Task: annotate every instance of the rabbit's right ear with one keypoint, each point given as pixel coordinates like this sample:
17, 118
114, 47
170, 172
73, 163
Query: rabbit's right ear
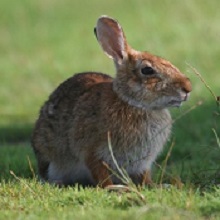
111, 37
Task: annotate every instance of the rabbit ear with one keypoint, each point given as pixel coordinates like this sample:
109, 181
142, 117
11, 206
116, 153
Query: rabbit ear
111, 37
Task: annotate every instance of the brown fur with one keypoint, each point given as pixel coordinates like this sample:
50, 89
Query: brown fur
70, 136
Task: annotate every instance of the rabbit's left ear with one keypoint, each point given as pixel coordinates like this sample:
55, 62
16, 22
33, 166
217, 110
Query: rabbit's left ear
111, 37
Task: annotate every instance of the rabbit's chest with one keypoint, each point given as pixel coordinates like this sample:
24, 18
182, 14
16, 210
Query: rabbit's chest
135, 146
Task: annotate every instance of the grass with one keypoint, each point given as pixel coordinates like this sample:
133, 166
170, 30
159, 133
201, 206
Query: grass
23, 200
44, 42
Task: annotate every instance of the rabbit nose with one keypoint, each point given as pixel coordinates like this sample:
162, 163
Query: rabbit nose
186, 85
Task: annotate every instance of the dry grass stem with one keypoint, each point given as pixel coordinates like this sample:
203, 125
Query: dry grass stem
204, 82
165, 161
31, 167
23, 182
217, 138
123, 176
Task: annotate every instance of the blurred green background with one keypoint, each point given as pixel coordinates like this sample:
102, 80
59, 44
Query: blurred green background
46, 41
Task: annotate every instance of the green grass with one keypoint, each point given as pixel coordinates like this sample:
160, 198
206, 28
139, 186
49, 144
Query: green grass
44, 42
23, 200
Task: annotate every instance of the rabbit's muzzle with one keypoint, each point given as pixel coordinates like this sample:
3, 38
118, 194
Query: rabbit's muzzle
186, 89
183, 88
186, 86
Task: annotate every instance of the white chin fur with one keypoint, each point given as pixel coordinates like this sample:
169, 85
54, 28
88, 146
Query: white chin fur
161, 103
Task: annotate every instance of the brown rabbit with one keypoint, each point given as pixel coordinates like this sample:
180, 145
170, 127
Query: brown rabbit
70, 137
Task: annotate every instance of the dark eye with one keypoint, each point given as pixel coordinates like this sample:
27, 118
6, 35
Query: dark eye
147, 71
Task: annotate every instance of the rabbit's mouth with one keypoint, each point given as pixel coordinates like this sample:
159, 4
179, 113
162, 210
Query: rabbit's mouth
178, 102
175, 103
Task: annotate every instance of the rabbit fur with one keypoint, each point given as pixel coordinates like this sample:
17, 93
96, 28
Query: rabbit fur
70, 138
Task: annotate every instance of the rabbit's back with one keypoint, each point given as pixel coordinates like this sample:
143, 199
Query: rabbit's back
67, 93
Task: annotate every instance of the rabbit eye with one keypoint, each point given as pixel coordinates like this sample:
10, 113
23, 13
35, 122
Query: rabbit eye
147, 71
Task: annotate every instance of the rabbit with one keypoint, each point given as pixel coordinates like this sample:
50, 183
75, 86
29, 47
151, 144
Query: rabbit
70, 138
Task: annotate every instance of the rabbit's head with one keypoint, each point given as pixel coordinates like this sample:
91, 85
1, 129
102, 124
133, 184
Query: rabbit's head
143, 80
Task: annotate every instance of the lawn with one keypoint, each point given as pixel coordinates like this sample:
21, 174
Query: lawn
46, 41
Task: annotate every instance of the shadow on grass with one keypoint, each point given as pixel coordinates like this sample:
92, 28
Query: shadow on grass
194, 158
15, 133
15, 150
